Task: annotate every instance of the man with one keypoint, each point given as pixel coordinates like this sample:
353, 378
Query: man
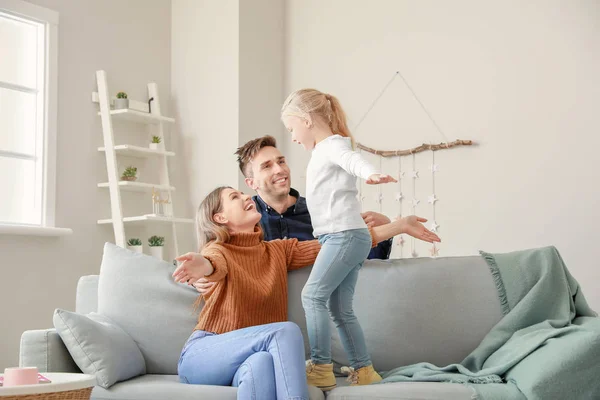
284, 212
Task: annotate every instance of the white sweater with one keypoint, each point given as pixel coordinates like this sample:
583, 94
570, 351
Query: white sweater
331, 194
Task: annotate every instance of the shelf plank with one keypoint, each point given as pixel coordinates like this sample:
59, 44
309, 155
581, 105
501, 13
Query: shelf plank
137, 151
138, 186
150, 218
138, 116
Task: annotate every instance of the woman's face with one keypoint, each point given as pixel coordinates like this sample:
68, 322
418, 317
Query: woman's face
300, 130
238, 212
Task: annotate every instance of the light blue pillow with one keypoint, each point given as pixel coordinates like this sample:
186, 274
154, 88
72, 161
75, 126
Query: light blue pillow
99, 347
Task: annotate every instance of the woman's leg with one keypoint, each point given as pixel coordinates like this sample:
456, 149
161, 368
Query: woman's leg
255, 378
349, 329
216, 359
340, 254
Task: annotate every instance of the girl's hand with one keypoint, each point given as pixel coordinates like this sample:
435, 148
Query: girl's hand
193, 267
413, 226
376, 179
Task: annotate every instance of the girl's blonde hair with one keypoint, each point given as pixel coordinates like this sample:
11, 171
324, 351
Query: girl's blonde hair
307, 103
209, 230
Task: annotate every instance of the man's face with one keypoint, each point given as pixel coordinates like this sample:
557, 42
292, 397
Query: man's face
270, 173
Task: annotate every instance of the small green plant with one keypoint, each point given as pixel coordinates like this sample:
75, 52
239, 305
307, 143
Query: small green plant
134, 242
155, 241
156, 139
130, 173
121, 95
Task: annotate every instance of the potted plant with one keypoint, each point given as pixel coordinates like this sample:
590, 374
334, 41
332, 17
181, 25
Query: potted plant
135, 245
156, 244
155, 142
130, 174
121, 102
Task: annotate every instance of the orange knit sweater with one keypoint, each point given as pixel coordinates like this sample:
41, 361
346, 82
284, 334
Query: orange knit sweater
251, 277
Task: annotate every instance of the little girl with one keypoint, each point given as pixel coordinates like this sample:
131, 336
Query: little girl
317, 121
243, 338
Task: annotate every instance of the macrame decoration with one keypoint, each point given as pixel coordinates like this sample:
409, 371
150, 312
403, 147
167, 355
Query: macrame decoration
413, 175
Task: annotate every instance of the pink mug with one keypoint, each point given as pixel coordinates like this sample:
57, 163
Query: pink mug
20, 376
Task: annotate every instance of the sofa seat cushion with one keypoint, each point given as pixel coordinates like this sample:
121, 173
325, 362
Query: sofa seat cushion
402, 391
168, 387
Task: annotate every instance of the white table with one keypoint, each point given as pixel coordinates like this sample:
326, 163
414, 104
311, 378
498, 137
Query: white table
61, 382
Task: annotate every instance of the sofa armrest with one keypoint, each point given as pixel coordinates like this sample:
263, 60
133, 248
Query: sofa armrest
45, 350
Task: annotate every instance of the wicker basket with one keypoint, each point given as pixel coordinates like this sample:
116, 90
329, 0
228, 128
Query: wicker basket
80, 394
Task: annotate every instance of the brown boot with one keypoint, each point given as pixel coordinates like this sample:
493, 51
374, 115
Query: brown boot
362, 376
320, 375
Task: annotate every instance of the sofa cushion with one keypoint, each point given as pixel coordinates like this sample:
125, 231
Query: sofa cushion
402, 391
414, 310
99, 347
139, 294
167, 387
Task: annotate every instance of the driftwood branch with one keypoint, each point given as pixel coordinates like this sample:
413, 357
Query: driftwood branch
423, 147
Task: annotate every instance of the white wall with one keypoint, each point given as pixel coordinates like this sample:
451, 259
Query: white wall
519, 79
261, 71
227, 84
131, 41
205, 91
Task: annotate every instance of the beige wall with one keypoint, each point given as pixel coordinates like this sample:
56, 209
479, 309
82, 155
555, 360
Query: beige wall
131, 41
519, 79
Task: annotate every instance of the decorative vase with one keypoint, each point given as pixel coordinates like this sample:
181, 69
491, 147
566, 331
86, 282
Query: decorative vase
136, 249
121, 104
157, 251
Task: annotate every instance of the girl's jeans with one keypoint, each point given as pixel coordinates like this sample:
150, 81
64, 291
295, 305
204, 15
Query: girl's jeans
263, 362
331, 284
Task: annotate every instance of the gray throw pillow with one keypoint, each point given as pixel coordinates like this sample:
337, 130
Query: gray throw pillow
138, 293
99, 347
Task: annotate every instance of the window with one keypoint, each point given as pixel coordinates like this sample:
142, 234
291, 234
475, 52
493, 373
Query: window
28, 113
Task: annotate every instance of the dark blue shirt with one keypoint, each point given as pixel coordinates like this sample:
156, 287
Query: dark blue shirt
295, 223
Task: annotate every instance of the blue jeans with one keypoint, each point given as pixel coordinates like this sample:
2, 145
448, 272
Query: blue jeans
331, 285
263, 362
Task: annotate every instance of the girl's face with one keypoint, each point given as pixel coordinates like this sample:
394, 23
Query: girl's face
300, 130
238, 212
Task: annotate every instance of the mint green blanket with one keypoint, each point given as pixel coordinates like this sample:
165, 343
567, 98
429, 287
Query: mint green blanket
547, 345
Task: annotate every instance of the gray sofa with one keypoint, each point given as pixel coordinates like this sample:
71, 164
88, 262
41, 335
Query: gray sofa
412, 310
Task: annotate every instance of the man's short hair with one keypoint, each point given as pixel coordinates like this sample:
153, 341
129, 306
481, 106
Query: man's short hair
247, 152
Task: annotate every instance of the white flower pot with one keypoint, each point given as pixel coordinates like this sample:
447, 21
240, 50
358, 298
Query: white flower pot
136, 249
154, 146
121, 104
157, 251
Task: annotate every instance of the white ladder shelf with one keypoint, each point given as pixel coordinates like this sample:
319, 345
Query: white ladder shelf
138, 112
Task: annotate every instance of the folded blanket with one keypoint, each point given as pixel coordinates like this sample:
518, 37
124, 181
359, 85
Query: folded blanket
547, 345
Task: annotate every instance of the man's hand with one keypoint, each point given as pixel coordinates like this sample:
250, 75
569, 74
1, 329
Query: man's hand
193, 267
203, 286
373, 219
413, 226
376, 179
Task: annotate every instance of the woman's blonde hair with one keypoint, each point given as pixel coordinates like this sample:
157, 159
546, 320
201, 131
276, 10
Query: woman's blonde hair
209, 230
307, 103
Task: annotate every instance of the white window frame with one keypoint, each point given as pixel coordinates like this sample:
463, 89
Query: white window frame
49, 18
